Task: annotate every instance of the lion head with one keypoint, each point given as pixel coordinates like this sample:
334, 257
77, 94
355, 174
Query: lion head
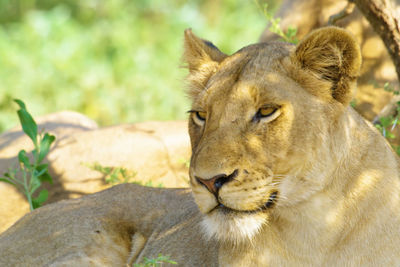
266, 125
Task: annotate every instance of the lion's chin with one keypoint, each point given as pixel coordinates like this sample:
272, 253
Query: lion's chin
234, 227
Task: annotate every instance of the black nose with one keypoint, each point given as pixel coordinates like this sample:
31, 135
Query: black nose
216, 182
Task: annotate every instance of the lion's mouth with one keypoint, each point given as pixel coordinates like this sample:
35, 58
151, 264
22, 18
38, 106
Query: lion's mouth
269, 204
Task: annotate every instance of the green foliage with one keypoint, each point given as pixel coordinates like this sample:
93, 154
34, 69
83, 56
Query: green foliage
29, 176
118, 175
288, 36
390, 88
113, 175
149, 184
387, 124
353, 103
155, 262
115, 61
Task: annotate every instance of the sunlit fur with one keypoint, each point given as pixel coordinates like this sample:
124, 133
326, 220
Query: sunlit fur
335, 178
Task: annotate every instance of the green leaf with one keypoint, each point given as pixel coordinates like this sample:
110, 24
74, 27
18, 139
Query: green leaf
390, 135
23, 158
28, 124
37, 202
7, 181
291, 31
45, 177
35, 184
20, 103
45, 144
40, 169
385, 121
35, 155
42, 173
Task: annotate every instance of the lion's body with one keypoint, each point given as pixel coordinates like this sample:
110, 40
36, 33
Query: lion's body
283, 172
121, 225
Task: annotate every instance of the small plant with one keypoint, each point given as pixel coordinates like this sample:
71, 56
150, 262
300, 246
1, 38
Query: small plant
387, 124
113, 175
390, 88
148, 183
155, 262
29, 176
353, 103
118, 175
288, 36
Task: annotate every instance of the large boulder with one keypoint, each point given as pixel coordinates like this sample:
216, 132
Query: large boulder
153, 153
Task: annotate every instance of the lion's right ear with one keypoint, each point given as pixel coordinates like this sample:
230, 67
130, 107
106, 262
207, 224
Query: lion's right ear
201, 57
333, 57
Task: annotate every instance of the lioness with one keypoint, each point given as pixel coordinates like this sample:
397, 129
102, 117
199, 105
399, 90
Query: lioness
283, 171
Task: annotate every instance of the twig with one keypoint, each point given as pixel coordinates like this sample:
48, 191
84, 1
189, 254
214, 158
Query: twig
342, 14
386, 23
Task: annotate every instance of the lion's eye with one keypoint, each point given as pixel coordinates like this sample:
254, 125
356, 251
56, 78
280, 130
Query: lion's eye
201, 115
266, 114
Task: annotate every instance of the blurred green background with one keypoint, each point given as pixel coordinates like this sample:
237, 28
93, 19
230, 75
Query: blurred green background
116, 61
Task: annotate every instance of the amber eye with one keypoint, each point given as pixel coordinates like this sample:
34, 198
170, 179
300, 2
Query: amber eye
265, 112
201, 115
198, 117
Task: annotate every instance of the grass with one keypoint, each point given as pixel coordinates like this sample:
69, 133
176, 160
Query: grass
115, 61
155, 262
118, 175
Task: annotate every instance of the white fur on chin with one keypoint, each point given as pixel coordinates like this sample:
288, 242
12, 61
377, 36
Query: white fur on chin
235, 228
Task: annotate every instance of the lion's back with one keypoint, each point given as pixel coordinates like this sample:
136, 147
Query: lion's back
98, 229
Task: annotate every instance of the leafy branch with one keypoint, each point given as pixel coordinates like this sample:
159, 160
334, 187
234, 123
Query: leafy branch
288, 36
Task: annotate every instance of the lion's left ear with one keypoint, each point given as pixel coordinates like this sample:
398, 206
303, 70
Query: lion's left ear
333, 56
202, 59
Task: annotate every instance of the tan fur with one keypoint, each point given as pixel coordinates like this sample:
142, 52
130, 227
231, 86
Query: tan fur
335, 178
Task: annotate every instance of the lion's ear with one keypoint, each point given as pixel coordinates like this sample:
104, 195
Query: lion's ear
201, 58
333, 56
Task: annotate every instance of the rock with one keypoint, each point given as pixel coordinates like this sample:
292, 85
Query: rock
156, 152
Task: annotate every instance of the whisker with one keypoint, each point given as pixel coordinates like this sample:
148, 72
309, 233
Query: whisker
280, 175
283, 197
274, 183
